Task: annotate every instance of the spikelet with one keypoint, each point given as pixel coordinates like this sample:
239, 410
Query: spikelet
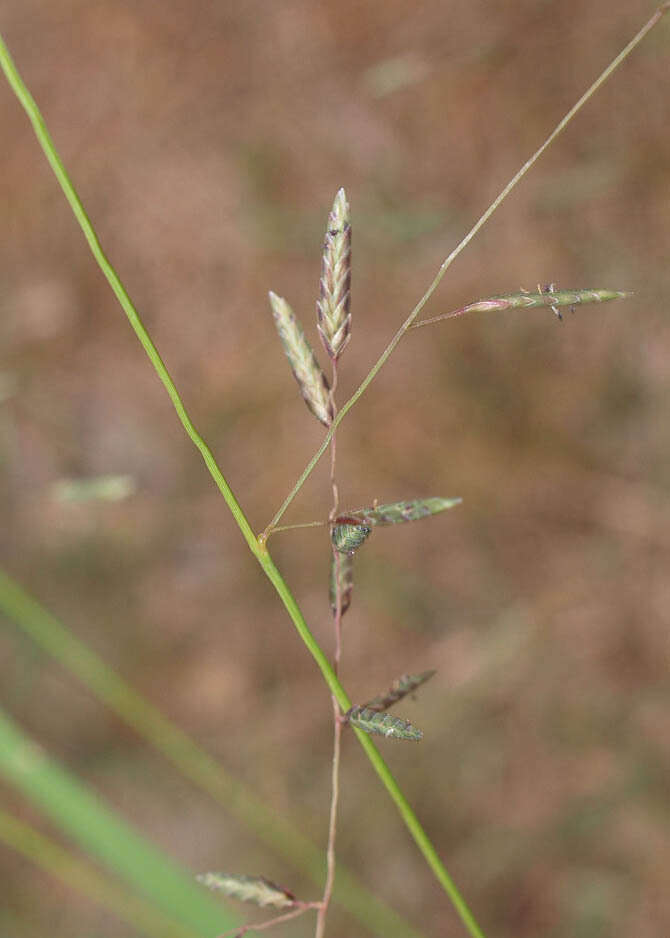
332, 308
546, 296
382, 724
306, 369
401, 687
256, 889
399, 512
349, 533
342, 576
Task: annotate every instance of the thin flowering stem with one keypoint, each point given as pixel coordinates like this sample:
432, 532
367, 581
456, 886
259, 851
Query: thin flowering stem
331, 517
294, 527
332, 823
383, 358
301, 908
333, 448
337, 723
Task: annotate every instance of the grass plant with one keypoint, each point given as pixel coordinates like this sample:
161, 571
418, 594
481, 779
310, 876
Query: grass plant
67, 802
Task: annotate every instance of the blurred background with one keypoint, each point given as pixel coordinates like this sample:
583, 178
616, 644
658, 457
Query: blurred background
207, 141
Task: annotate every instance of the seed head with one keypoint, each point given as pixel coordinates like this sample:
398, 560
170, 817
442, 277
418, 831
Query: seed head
332, 308
306, 369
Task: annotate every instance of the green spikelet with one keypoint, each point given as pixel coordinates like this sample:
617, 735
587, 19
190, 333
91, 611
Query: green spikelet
306, 369
349, 533
399, 512
256, 889
382, 724
342, 573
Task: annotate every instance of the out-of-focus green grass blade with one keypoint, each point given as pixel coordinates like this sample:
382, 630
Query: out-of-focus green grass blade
63, 865
83, 816
47, 632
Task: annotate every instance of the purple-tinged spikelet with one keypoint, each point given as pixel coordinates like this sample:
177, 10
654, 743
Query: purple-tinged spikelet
306, 369
404, 685
549, 296
341, 581
333, 314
